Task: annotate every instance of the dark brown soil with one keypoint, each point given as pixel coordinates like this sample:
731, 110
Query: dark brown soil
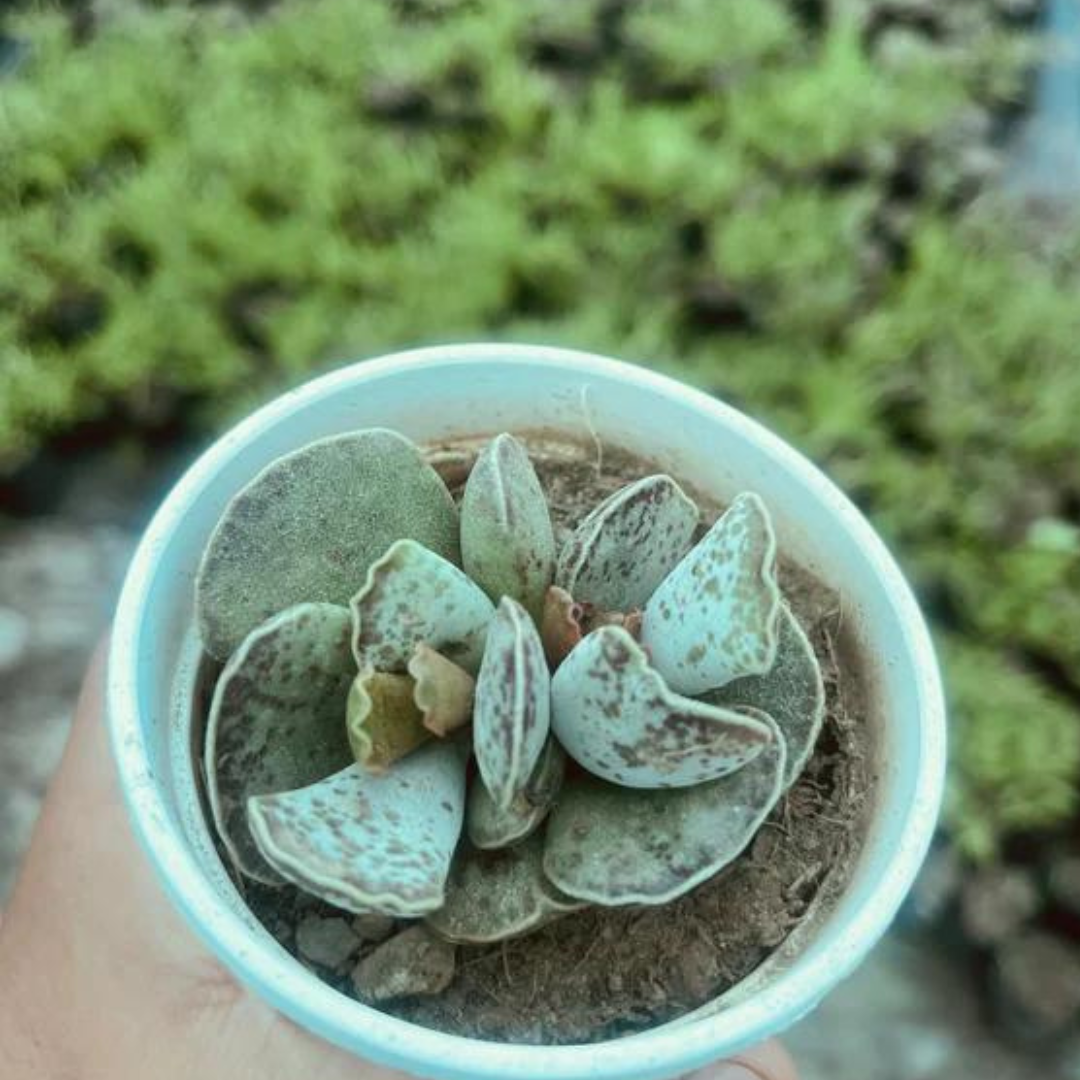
605, 972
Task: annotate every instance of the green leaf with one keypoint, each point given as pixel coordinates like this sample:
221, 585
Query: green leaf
276, 719
615, 716
311, 524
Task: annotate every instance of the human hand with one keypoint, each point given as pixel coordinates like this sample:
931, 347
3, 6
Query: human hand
101, 980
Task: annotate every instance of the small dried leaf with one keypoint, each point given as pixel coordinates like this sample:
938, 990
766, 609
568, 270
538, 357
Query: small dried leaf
413, 596
489, 827
507, 542
414, 963
622, 551
560, 625
382, 719
612, 845
443, 693
615, 716
370, 842
275, 719
495, 895
512, 712
309, 526
791, 692
714, 618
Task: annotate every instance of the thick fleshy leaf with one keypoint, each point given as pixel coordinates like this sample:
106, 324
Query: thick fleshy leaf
507, 542
382, 718
612, 845
494, 895
276, 719
489, 827
714, 618
370, 842
615, 716
512, 712
622, 551
791, 692
443, 691
413, 596
309, 526
560, 625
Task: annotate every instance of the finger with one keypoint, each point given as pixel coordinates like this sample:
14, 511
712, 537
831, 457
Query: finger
769, 1061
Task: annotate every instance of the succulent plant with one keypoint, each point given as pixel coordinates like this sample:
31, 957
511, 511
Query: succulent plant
454, 721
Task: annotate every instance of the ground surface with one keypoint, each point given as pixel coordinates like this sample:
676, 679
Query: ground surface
907, 1015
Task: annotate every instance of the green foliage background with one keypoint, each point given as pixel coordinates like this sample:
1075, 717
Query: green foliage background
199, 207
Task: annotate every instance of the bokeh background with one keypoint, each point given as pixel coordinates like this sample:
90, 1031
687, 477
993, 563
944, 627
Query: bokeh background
854, 219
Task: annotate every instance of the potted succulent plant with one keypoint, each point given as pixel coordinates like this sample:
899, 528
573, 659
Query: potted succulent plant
419, 703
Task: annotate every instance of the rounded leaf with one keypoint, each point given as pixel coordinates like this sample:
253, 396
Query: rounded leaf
507, 542
512, 711
370, 842
714, 617
625, 547
382, 719
309, 526
443, 691
613, 845
792, 692
495, 895
275, 720
489, 827
616, 717
413, 596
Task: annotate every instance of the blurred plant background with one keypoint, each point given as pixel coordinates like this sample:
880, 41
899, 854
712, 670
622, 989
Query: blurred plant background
814, 209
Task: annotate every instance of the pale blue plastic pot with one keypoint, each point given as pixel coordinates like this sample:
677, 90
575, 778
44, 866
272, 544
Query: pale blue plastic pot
479, 389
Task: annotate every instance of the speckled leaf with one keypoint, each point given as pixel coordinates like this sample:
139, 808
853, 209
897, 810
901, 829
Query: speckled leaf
276, 719
791, 692
489, 827
560, 625
615, 716
613, 845
411, 596
382, 718
507, 542
370, 842
622, 551
714, 618
443, 691
310, 525
512, 711
494, 895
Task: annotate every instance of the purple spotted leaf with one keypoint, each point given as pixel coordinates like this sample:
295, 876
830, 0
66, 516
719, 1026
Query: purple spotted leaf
512, 711
507, 542
276, 719
366, 842
443, 691
495, 895
413, 596
489, 827
615, 716
309, 526
622, 550
382, 719
613, 845
791, 692
715, 617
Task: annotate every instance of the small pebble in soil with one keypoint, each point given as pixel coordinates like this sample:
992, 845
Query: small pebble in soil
373, 928
1036, 987
328, 942
415, 963
997, 901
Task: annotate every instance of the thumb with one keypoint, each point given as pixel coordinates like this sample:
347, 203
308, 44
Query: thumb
770, 1061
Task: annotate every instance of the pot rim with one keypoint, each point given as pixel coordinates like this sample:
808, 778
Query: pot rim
386, 1039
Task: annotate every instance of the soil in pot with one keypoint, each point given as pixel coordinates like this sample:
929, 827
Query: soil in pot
605, 972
